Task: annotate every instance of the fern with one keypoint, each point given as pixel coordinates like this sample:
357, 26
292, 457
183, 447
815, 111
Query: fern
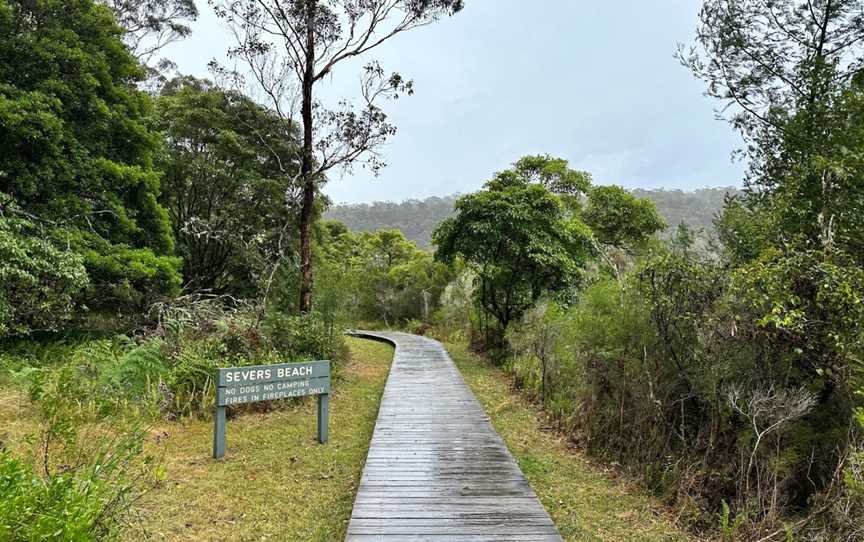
136, 372
728, 525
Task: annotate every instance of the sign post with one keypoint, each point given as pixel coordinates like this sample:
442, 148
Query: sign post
323, 415
239, 385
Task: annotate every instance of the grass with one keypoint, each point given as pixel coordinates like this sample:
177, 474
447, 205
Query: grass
586, 502
275, 482
19, 423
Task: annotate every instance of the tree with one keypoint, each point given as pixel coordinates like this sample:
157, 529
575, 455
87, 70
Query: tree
621, 222
151, 25
770, 59
401, 281
794, 69
790, 71
784, 69
376, 275
812, 190
527, 235
77, 155
420, 283
618, 218
387, 248
290, 46
231, 205
519, 238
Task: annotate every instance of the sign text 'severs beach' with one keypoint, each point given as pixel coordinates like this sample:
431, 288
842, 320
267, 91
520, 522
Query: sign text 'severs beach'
251, 375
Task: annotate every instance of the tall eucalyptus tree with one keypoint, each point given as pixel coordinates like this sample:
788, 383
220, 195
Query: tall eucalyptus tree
289, 47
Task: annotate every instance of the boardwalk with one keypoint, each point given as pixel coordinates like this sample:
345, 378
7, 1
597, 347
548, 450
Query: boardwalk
436, 469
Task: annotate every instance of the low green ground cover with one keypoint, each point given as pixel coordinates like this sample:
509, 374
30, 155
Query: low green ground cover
275, 483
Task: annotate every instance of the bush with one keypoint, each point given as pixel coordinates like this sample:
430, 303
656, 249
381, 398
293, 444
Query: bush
716, 389
100, 376
849, 508
88, 501
38, 281
451, 320
85, 471
169, 373
194, 354
126, 279
589, 354
304, 337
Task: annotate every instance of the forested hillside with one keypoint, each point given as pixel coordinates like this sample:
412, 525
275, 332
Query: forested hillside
417, 218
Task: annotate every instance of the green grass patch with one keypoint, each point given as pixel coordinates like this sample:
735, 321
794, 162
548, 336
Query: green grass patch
586, 502
276, 482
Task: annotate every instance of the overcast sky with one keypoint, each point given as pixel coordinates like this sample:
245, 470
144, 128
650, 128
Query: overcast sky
592, 82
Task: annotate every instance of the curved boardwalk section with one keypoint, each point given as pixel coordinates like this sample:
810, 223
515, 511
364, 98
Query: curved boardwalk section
436, 469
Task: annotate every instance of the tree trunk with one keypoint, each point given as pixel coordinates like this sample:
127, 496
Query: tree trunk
826, 219
306, 214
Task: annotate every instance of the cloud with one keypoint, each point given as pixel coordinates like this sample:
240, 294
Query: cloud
594, 83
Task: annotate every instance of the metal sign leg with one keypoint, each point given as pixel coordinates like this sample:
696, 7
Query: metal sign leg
219, 432
323, 413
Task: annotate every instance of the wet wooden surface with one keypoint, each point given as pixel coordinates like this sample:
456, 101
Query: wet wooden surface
436, 468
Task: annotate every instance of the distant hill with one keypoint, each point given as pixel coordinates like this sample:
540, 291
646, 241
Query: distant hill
417, 218
697, 209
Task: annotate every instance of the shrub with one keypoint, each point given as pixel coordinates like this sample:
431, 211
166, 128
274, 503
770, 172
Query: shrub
124, 278
851, 509
304, 337
730, 394
854, 474
87, 502
38, 281
86, 469
189, 386
452, 318
171, 372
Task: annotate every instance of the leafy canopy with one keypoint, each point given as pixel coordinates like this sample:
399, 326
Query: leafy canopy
518, 236
228, 168
618, 218
381, 274
77, 154
526, 234
38, 281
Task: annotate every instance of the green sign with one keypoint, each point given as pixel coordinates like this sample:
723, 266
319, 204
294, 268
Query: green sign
240, 385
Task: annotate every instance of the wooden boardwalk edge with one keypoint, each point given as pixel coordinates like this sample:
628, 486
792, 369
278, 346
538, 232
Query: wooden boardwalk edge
436, 468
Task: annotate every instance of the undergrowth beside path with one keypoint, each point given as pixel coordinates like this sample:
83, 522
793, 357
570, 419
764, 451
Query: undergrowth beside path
586, 503
276, 482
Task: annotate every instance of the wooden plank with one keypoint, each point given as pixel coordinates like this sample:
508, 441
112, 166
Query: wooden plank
453, 538
436, 469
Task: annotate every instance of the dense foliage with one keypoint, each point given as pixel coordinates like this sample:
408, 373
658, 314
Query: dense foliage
111, 200
39, 282
148, 239
526, 236
78, 156
378, 276
711, 387
731, 381
85, 504
228, 169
